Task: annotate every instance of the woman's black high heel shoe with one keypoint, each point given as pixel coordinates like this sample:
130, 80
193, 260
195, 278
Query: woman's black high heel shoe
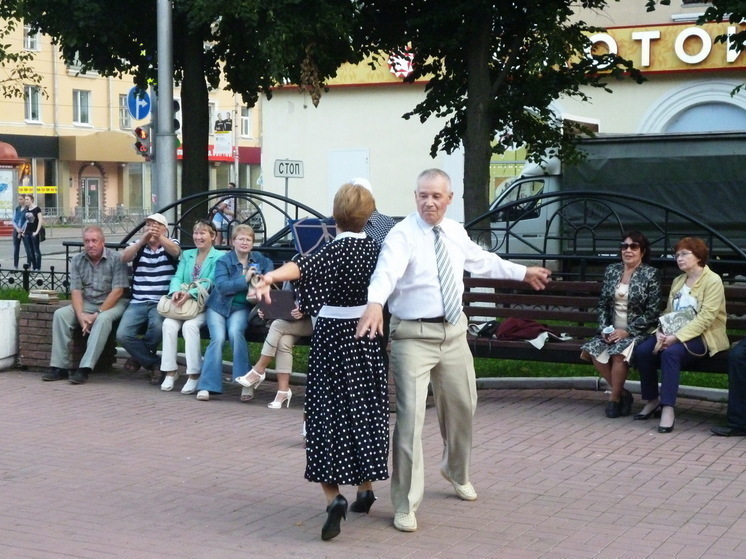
656, 412
363, 502
337, 510
667, 429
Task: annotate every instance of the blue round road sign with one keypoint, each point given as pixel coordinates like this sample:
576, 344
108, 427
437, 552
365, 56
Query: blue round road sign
138, 103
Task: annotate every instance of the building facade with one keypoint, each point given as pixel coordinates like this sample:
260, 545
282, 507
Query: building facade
75, 137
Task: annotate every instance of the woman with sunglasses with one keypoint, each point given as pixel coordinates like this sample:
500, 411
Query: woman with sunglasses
700, 288
628, 309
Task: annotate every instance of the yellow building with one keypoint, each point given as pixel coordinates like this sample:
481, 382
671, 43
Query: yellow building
76, 138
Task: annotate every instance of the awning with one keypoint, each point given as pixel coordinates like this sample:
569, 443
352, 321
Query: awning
107, 146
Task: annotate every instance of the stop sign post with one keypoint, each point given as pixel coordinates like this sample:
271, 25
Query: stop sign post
288, 169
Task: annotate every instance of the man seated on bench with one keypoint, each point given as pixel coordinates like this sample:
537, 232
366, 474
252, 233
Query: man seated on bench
98, 279
154, 260
736, 393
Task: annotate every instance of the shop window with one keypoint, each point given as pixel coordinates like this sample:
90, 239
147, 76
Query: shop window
81, 106
246, 122
31, 94
30, 38
125, 120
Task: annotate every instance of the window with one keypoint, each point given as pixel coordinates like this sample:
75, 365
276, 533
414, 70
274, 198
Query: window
81, 106
125, 121
30, 38
31, 95
246, 122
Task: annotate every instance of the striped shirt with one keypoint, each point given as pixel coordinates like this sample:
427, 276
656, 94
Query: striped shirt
152, 271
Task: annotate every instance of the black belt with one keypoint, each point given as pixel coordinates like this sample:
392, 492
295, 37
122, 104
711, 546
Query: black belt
434, 319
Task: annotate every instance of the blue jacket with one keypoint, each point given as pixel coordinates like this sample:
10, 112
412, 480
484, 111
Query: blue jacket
19, 217
186, 265
230, 279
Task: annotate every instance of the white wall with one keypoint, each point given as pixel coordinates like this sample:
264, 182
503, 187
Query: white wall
358, 119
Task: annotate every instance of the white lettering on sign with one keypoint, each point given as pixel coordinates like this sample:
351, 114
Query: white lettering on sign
692, 45
285, 168
645, 37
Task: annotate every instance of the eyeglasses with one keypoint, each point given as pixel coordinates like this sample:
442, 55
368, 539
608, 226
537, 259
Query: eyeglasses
683, 253
633, 246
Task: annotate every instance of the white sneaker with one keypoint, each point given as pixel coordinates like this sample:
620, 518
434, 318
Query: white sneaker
465, 492
168, 383
405, 521
203, 395
190, 387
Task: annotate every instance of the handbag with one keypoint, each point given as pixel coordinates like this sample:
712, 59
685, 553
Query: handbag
672, 322
42, 234
191, 307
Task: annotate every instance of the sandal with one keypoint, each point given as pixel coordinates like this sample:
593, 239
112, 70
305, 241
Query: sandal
155, 377
131, 366
247, 394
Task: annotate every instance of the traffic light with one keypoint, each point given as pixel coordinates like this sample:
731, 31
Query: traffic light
177, 108
143, 144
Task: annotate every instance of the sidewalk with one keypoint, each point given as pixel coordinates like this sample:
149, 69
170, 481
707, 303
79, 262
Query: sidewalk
117, 468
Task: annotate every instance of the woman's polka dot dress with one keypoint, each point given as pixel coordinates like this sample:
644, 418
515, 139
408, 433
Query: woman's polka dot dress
347, 407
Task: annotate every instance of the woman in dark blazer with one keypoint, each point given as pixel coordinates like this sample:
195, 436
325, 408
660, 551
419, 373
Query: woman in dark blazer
628, 311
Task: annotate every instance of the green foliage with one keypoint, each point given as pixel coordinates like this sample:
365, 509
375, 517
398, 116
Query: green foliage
15, 67
497, 68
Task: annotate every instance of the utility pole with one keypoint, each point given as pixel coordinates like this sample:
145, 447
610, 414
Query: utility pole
165, 143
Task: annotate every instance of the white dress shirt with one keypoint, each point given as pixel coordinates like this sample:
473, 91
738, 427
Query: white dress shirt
407, 275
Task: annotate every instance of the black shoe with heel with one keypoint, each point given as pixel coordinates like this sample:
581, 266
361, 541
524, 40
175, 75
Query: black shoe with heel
363, 502
655, 412
668, 429
337, 510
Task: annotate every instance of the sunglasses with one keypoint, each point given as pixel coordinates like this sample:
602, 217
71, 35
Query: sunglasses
633, 246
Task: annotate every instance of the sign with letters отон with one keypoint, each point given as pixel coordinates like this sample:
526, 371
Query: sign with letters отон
285, 168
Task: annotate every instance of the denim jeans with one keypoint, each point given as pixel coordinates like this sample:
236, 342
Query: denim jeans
670, 361
142, 318
17, 240
234, 329
34, 250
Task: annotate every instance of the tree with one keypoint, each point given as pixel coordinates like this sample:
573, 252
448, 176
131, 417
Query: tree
496, 68
15, 66
253, 44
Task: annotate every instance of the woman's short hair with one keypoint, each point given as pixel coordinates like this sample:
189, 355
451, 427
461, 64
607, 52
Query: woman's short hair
245, 229
207, 225
697, 246
352, 207
642, 240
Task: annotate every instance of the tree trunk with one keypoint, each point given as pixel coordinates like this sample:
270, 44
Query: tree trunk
195, 112
478, 134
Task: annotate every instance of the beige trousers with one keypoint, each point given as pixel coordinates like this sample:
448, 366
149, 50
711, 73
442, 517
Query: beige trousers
421, 354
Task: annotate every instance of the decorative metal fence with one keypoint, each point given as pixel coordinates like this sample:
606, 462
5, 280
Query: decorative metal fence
28, 279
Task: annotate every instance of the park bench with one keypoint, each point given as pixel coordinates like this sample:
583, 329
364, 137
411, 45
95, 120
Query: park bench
566, 307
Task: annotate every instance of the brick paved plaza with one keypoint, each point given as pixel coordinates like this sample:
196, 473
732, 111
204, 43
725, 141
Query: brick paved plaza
117, 468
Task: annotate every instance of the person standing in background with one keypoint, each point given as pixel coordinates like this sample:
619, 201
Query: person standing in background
34, 222
19, 224
223, 214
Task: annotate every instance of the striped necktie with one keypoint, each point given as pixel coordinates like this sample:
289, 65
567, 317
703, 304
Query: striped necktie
451, 302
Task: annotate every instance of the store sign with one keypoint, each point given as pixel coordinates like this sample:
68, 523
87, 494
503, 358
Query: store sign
673, 48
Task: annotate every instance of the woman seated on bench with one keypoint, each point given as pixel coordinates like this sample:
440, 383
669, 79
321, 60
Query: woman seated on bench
700, 288
628, 309
278, 345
